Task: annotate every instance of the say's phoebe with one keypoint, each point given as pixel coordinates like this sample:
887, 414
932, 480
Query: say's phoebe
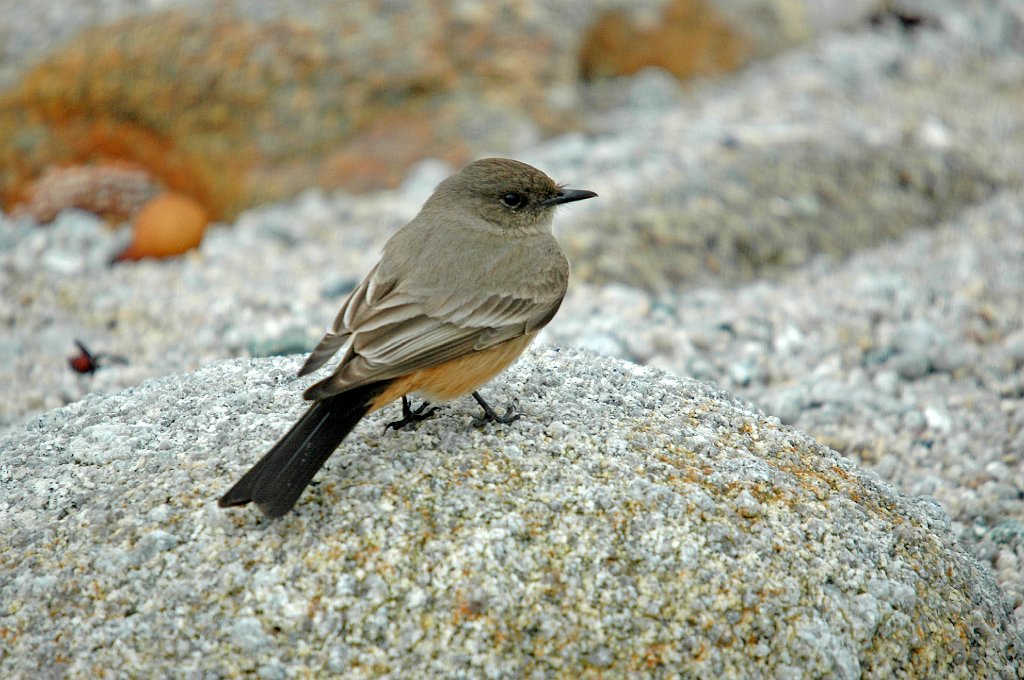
458, 294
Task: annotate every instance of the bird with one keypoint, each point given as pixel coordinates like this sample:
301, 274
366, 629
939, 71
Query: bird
458, 294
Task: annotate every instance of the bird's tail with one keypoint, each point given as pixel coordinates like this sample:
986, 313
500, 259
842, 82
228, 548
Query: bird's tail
278, 479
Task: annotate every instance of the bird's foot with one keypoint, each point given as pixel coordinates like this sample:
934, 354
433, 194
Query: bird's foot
411, 417
491, 416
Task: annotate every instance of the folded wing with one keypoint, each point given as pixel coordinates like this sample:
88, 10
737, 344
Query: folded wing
392, 332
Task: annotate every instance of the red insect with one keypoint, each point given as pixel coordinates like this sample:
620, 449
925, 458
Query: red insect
87, 362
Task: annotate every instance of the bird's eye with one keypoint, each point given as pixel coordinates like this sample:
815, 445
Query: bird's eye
514, 200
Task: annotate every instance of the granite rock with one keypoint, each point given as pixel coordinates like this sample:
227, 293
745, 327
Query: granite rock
633, 521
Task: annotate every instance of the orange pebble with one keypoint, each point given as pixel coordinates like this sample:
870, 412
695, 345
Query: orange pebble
168, 225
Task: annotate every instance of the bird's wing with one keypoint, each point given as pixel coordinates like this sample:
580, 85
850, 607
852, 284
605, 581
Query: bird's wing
366, 296
394, 332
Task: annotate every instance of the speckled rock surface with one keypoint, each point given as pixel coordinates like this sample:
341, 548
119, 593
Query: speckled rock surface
632, 521
907, 358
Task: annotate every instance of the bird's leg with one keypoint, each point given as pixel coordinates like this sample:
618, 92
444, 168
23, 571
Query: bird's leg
409, 416
511, 414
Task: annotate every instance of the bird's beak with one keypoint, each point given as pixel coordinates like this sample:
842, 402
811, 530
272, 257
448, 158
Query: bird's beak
568, 196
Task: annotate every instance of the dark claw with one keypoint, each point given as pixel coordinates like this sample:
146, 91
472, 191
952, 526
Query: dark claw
491, 416
410, 417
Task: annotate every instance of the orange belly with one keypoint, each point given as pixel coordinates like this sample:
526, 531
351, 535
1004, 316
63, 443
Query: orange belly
456, 377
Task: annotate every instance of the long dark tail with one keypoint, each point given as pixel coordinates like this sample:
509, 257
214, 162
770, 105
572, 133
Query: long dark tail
278, 479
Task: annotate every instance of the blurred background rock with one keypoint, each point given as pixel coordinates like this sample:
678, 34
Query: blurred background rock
239, 103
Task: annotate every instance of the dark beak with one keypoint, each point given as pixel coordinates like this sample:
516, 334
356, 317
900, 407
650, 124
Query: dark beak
568, 196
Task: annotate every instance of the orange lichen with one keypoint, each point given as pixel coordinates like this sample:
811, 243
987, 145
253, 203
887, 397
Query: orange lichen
690, 39
387, 146
235, 112
169, 225
104, 136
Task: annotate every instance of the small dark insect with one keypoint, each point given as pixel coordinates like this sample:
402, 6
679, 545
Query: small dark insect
87, 362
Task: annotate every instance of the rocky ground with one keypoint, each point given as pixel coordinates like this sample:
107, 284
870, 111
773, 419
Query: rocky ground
632, 522
836, 234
